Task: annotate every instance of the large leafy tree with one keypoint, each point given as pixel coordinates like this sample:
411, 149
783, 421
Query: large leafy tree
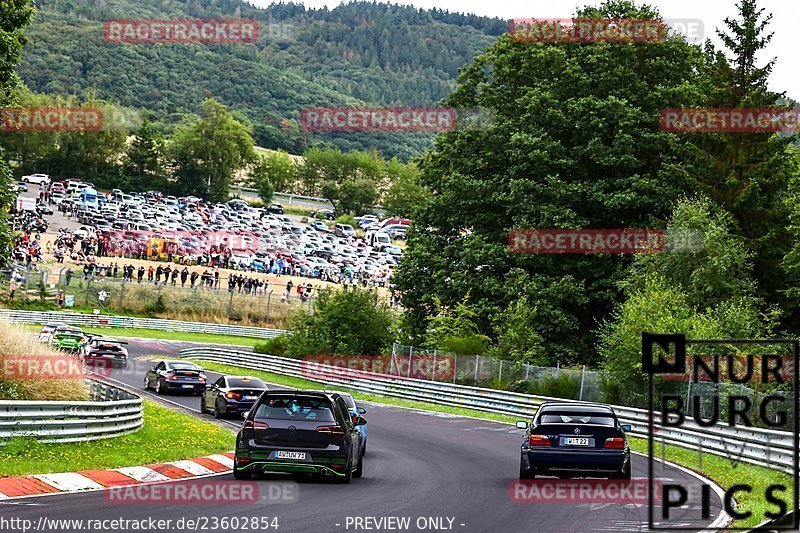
143, 164
575, 143
207, 151
14, 15
746, 173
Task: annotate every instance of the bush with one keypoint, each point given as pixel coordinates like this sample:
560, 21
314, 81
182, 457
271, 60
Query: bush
350, 321
274, 346
347, 218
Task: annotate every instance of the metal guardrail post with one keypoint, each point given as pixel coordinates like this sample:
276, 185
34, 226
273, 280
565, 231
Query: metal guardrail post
475, 377
583, 378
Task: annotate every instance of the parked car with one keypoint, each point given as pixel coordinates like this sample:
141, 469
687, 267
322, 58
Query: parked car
231, 395
568, 439
36, 178
19, 187
276, 209
344, 230
181, 376
300, 432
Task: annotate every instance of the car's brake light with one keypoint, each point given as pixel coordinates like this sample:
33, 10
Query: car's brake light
615, 443
233, 395
331, 430
252, 424
539, 440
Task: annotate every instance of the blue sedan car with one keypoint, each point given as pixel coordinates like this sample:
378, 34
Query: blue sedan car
575, 440
355, 412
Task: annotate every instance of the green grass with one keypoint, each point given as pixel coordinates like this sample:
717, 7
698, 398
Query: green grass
165, 436
160, 334
726, 472
719, 469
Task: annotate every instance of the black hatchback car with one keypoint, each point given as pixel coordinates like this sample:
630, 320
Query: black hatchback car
180, 376
575, 440
300, 432
230, 395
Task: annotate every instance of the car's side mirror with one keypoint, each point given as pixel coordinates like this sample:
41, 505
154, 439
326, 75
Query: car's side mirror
209, 386
626, 427
521, 424
360, 421
362, 411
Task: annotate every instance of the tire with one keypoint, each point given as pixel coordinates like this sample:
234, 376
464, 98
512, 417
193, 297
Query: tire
217, 412
525, 473
359, 471
159, 389
146, 383
203, 407
25, 180
238, 474
348, 474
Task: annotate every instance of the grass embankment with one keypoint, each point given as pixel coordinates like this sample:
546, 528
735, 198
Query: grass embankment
165, 436
203, 338
30, 370
726, 472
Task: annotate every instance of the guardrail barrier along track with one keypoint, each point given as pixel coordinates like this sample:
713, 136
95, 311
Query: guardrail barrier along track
111, 412
105, 321
763, 447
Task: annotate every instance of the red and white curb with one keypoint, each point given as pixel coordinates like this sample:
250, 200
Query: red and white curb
41, 484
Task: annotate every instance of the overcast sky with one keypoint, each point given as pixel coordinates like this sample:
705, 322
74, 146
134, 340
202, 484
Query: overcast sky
711, 13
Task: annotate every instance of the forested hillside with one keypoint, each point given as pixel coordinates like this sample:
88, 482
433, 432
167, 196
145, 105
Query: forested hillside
356, 54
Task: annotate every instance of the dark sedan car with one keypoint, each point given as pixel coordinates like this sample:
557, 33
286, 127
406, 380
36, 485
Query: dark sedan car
575, 440
275, 209
176, 376
300, 432
231, 395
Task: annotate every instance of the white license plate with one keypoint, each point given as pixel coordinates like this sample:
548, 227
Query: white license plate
250, 398
290, 455
576, 441
187, 386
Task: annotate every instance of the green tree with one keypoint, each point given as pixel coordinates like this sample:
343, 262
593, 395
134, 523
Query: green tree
265, 190
575, 143
406, 192
709, 263
454, 330
15, 15
746, 173
206, 152
517, 338
278, 168
351, 321
660, 306
143, 165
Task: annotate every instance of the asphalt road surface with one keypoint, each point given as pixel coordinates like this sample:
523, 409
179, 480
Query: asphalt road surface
441, 472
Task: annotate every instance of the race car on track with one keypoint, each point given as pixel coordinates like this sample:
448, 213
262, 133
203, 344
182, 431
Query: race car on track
180, 376
230, 395
46, 333
575, 440
67, 338
300, 432
105, 350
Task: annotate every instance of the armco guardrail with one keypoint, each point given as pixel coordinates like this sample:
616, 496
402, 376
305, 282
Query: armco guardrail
763, 447
83, 319
111, 412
